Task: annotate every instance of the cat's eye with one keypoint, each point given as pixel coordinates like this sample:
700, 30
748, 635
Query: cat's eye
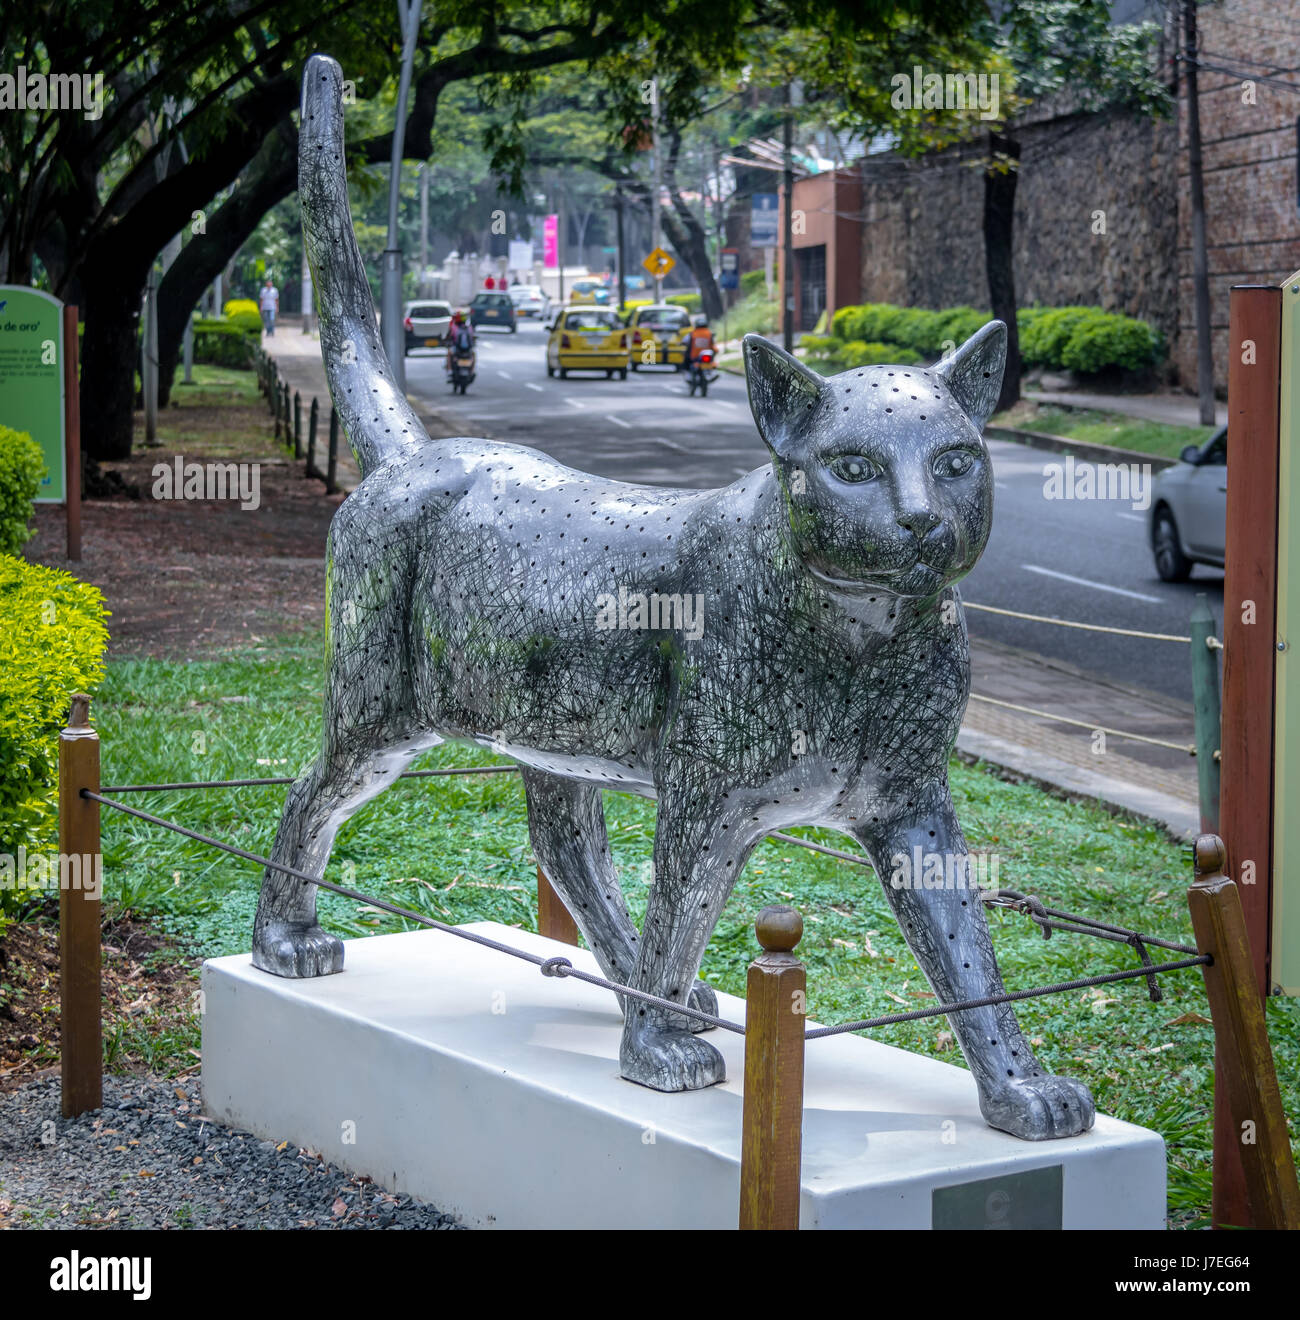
954, 463
853, 467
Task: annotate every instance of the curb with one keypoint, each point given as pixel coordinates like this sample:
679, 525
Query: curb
1085, 449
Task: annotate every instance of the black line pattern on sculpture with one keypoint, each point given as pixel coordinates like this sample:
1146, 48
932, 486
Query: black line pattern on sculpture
789, 650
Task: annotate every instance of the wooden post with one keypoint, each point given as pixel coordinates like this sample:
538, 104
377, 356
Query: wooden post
772, 1131
311, 436
1205, 703
553, 919
1249, 635
332, 463
1243, 1060
80, 996
72, 430
275, 404
297, 424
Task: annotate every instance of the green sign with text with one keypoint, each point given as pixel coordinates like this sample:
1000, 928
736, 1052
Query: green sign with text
31, 377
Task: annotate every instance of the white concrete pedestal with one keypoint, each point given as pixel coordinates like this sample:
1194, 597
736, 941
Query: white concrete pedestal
466, 1078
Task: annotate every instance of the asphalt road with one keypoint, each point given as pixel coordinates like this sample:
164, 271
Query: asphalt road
1086, 560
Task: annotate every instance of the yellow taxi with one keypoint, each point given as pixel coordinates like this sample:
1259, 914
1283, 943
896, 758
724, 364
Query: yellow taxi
587, 292
659, 334
587, 339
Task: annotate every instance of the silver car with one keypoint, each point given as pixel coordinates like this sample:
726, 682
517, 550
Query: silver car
528, 299
426, 324
1189, 509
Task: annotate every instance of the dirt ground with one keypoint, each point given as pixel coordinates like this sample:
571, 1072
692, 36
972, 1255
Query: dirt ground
195, 577
145, 980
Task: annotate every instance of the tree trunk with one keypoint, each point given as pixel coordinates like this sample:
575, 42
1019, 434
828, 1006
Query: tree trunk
687, 235
273, 177
109, 354
999, 215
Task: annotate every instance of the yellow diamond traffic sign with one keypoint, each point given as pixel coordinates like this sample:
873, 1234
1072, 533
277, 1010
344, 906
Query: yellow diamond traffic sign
659, 263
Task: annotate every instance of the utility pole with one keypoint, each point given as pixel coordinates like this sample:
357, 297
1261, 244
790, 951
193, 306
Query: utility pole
658, 167
424, 226
622, 251
390, 295
1200, 261
787, 226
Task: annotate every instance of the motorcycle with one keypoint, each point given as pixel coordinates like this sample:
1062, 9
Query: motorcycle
460, 369
701, 374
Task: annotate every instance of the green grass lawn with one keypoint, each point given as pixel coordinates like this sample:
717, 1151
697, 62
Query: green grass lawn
457, 849
1103, 428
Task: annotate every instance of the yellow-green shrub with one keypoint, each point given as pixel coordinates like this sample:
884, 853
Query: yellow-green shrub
22, 467
52, 639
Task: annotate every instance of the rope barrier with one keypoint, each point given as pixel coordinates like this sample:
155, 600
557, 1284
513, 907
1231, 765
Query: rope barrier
420, 919
289, 779
1190, 749
562, 967
1011, 997
1070, 623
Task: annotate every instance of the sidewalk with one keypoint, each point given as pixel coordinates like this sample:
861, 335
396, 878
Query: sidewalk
1157, 783
1172, 409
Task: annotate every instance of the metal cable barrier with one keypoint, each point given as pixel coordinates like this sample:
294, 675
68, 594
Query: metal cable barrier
1048, 920
1092, 726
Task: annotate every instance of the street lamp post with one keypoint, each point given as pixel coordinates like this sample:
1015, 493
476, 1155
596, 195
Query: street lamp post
390, 290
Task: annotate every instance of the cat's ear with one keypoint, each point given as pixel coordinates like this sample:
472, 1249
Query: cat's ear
974, 372
783, 393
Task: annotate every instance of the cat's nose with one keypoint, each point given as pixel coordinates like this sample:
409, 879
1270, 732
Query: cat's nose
919, 521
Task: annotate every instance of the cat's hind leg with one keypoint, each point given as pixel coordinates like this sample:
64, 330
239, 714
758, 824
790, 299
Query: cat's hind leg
566, 822
947, 930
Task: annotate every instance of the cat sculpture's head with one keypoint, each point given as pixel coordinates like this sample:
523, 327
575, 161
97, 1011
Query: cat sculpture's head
886, 477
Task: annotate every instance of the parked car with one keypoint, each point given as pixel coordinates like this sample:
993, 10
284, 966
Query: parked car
1189, 509
590, 292
587, 339
493, 309
668, 326
426, 324
529, 300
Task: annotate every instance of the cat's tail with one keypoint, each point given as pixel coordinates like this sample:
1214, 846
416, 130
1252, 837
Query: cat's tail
379, 423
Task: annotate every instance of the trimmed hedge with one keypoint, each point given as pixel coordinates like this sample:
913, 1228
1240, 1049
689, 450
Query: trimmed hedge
52, 640
22, 468
836, 355
752, 282
693, 302
1083, 339
223, 344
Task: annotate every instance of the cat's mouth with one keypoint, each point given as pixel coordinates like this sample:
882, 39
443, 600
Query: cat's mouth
918, 579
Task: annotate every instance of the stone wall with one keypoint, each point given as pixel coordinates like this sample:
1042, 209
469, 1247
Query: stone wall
923, 238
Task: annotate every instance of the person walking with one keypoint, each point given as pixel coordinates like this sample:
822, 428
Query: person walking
269, 302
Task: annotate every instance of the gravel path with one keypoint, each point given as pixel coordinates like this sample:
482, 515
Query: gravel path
150, 1159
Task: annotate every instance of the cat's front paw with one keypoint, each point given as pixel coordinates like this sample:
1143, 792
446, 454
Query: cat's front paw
1039, 1108
668, 1059
703, 999
294, 948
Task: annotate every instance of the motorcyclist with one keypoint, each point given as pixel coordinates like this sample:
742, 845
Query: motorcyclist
700, 339
460, 337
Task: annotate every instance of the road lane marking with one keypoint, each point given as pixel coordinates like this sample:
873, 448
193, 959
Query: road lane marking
505, 375
1001, 485
672, 444
533, 386
618, 421
575, 403
1084, 582
1133, 517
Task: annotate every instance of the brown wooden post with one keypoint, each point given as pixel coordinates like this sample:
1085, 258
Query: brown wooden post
553, 919
1243, 1059
1249, 636
772, 1123
297, 424
332, 462
80, 996
312, 423
72, 430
